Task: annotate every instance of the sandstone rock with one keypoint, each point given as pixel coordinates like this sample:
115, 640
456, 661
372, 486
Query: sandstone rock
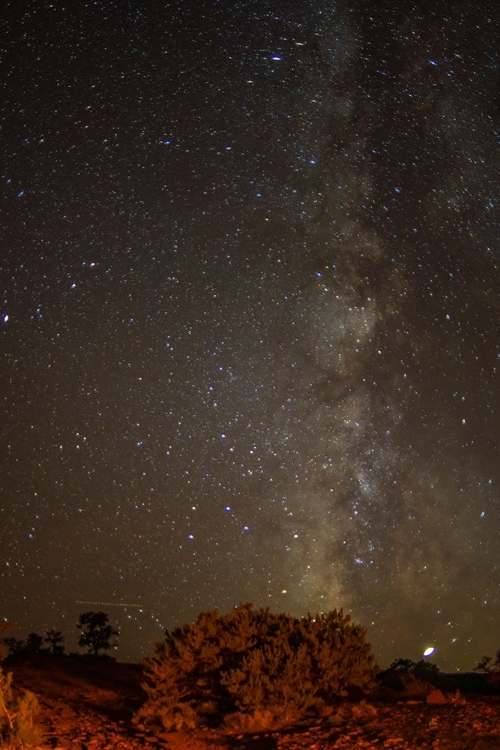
435, 696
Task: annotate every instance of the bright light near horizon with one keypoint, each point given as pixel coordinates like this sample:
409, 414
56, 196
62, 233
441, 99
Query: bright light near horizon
428, 651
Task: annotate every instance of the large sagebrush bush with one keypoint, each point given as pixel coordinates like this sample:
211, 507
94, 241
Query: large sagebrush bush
251, 664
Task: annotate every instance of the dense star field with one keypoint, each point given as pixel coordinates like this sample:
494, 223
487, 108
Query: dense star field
250, 316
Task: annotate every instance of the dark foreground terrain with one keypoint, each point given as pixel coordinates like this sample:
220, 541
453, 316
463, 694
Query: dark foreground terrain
87, 705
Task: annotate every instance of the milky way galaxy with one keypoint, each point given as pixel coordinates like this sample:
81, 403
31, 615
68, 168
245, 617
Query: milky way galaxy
250, 317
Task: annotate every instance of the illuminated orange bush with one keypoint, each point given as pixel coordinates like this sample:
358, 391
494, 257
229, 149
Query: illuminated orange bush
252, 661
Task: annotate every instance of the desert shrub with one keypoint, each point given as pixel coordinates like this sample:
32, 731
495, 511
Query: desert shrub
411, 678
456, 697
423, 669
255, 665
413, 686
260, 720
426, 671
180, 717
18, 716
349, 714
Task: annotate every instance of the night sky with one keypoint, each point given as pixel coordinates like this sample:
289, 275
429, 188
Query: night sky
250, 316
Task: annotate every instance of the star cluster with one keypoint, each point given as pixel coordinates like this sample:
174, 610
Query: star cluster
250, 316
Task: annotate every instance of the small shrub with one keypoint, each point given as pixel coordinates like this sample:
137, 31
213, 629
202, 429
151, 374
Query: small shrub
412, 679
18, 715
413, 686
456, 697
260, 720
253, 668
351, 713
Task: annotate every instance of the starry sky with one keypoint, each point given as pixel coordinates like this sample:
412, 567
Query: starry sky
250, 316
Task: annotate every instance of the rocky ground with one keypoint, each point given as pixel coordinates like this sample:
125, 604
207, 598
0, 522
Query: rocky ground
87, 706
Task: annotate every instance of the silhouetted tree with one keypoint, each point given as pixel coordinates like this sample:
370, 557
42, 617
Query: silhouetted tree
409, 676
4, 628
34, 643
488, 664
14, 646
402, 665
96, 632
55, 639
425, 670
